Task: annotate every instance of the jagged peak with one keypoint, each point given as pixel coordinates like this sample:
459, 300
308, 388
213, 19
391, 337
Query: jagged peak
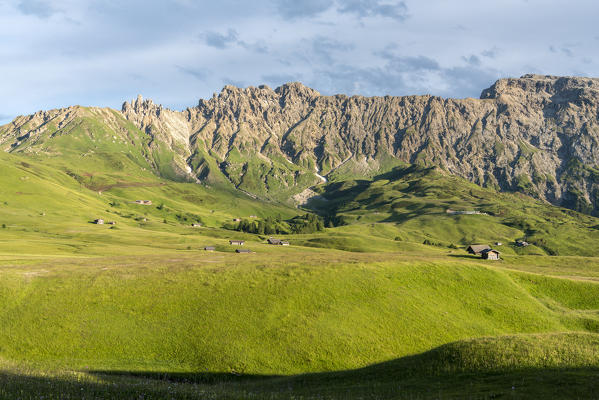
139, 104
567, 88
283, 90
296, 88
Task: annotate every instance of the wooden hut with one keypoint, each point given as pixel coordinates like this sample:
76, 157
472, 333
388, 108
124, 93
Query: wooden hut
490, 254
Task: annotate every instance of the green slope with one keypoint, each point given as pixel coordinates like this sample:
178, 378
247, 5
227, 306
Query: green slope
221, 327
160, 314
415, 205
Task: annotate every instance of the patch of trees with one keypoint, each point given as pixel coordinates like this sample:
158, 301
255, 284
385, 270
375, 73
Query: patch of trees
308, 223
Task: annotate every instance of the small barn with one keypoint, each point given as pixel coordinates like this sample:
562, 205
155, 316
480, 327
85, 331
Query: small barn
521, 243
242, 251
236, 242
196, 225
99, 221
278, 242
490, 254
209, 248
477, 249
236, 219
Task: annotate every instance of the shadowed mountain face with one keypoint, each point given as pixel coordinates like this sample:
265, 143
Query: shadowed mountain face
536, 134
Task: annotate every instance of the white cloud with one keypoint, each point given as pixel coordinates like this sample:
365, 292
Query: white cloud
64, 52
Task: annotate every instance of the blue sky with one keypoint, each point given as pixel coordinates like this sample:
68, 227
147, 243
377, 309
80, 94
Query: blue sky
101, 52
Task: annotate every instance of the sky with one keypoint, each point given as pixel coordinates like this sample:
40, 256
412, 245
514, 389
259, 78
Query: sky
57, 53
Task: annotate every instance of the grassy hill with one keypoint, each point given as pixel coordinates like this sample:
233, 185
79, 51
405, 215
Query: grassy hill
421, 205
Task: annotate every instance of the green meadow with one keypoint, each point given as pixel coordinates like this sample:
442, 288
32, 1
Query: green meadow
294, 323
383, 303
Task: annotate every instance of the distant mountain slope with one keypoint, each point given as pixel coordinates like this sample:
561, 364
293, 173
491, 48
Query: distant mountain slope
536, 134
430, 206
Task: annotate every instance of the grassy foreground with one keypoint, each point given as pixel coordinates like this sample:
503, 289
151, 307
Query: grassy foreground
553, 366
383, 304
197, 325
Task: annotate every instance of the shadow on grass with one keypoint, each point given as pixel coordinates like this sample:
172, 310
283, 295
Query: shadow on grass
375, 382
486, 368
473, 369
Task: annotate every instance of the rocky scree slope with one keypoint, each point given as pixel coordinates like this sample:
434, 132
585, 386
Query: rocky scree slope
536, 134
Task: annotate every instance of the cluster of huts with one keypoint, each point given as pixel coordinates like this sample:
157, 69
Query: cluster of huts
234, 242
239, 243
483, 250
277, 242
487, 253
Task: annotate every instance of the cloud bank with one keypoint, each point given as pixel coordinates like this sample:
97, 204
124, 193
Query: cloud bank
64, 52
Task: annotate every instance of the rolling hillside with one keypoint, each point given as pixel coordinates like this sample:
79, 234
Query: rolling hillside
428, 205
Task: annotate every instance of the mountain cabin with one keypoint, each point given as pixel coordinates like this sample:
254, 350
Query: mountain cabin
490, 254
477, 249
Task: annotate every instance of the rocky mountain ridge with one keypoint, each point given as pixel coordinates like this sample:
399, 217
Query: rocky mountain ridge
536, 134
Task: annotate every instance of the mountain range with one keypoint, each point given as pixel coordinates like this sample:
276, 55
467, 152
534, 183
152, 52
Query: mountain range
536, 134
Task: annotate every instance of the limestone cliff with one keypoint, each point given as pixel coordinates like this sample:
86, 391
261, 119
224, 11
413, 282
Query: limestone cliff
537, 134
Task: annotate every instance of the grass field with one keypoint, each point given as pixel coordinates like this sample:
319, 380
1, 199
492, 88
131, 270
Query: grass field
189, 324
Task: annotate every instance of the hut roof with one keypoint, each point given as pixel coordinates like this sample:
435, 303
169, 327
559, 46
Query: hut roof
485, 251
477, 248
